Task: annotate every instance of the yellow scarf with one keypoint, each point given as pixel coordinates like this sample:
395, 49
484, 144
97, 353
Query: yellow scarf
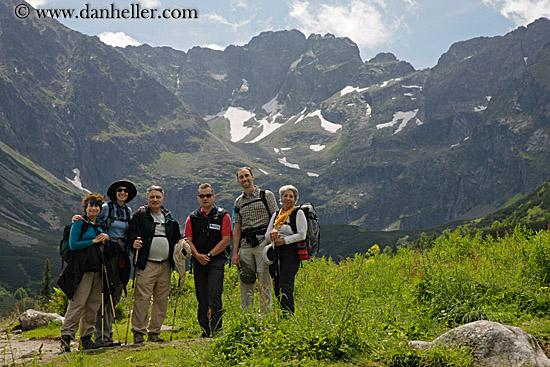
282, 217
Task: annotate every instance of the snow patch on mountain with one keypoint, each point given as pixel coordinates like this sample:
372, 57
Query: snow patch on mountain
457, 144
482, 107
284, 162
218, 77
237, 117
272, 106
404, 117
369, 110
317, 147
267, 127
412, 86
325, 124
76, 180
311, 174
384, 84
349, 89
244, 86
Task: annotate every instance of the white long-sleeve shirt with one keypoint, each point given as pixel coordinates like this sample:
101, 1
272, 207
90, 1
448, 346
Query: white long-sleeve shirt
285, 230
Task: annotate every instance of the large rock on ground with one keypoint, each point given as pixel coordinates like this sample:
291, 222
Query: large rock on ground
493, 344
32, 319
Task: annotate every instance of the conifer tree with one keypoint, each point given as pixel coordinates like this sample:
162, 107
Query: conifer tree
46, 291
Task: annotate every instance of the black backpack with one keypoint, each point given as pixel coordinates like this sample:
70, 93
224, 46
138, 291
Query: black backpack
313, 237
64, 249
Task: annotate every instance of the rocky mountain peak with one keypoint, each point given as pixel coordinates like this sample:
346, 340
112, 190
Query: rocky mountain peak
383, 57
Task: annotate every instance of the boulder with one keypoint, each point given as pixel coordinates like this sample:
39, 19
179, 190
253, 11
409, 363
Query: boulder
493, 344
32, 319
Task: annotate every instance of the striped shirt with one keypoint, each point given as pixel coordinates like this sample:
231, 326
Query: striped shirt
254, 215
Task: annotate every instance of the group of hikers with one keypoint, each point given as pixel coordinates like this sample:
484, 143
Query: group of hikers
267, 245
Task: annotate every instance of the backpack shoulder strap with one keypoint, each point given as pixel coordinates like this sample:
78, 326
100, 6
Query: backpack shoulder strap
109, 214
83, 229
264, 200
293, 219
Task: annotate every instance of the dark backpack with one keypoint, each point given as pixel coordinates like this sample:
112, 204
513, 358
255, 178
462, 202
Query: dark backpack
313, 237
64, 249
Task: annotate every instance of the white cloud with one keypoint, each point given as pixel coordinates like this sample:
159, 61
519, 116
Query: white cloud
215, 18
38, 3
521, 12
243, 4
118, 39
213, 46
150, 4
369, 23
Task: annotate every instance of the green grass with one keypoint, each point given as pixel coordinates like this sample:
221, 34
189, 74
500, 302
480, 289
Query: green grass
363, 310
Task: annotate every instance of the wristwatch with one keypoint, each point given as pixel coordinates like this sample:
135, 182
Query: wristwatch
209, 254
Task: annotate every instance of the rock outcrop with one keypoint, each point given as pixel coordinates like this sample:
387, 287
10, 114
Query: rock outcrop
32, 319
493, 344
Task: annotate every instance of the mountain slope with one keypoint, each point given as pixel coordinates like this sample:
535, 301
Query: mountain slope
377, 143
69, 101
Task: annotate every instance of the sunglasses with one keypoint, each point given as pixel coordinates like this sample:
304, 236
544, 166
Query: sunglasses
93, 203
202, 196
122, 190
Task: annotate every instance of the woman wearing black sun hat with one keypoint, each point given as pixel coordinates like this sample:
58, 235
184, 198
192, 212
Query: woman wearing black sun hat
116, 214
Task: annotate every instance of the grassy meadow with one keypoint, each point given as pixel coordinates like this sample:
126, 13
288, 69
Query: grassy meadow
361, 311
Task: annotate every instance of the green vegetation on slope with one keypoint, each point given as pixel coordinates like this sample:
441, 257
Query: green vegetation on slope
364, 310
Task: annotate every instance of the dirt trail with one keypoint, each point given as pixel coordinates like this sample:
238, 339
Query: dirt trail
17, 349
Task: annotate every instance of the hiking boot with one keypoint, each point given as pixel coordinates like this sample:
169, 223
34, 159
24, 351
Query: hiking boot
138, 338
105, 342
65, 344
155, 338
88, 344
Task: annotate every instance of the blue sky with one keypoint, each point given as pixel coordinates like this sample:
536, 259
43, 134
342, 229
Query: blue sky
417, 31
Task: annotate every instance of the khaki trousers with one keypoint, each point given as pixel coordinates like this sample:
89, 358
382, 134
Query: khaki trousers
83, 307
253, 258
154, 281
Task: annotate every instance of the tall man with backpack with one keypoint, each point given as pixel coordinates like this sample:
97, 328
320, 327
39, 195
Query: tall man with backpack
253, 210
208, 231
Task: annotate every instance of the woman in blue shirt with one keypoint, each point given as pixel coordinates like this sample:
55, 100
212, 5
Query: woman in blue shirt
84, 272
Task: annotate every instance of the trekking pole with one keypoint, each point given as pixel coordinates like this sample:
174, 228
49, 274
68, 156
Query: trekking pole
133, 297
110, 299
175, 308
112, 305
277, 270
102, 296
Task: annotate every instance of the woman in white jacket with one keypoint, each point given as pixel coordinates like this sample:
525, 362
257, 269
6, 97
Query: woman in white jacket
283, 250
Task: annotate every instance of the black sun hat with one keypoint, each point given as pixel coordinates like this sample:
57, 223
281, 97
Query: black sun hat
132, 191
